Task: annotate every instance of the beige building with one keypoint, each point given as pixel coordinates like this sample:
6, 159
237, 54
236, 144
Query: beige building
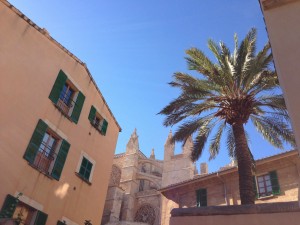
57, 133
282, 20
276, 179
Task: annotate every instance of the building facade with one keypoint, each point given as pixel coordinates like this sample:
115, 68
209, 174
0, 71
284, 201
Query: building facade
57, 134
282, 23
133, 194
276, 179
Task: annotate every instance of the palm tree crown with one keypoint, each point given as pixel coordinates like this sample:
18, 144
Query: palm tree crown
239, 87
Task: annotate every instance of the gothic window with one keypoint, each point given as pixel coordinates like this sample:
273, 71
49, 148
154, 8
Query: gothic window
145, 214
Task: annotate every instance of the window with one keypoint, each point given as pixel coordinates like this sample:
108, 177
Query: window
66, 97
21, 212
85, 168
201, 197
97, 121
46, 151
266, 185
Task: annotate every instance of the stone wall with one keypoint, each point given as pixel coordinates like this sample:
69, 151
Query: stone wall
262, 214
223, 187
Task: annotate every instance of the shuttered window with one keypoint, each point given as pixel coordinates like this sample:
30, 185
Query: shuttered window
13, 208
8, 207
66, 97
201, 197
267, 185
60, 159
46, 151
98, 121
85, 169
275, 183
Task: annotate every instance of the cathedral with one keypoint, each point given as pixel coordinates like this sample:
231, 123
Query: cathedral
144, 190
133, 193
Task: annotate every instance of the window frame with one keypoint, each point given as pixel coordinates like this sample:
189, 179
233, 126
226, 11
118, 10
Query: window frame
94, 116
274, 181
200, 202
56, 161
89, 159
73, 108
52, 154
14, 207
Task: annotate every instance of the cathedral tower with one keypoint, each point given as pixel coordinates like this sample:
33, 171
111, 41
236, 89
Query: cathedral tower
177, 168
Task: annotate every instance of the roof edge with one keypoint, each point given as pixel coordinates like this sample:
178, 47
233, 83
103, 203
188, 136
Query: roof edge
45, 33
229, 170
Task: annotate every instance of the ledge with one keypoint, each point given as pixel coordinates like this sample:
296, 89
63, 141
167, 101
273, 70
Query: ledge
278, 207
83, 179
40, 171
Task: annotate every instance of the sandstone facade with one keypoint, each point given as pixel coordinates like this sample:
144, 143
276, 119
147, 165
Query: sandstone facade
133, 194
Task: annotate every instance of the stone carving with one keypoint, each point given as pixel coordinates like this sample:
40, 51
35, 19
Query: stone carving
145, 214
115, 176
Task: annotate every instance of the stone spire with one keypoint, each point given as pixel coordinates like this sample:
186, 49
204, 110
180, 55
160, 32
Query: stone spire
133, 143
152, 156
168, 141
169, 147
188, 146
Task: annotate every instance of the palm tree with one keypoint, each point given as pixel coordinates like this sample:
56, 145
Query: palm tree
242, 85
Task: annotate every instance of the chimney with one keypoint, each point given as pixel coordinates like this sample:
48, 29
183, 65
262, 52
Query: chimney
203, 168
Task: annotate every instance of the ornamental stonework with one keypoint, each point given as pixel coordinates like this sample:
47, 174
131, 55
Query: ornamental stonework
145, 214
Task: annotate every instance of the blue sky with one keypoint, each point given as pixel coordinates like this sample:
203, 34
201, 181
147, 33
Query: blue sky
132, 49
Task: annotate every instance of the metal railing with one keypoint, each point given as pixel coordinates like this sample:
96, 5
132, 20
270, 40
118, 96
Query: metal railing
44, 158
65, 103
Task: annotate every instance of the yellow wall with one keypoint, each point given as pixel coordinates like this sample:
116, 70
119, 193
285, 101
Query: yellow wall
29, 64
282, 20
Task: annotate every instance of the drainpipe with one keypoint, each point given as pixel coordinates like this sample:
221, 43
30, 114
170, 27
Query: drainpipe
224, 186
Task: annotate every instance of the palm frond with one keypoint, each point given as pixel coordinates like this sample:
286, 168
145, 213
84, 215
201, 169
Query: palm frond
186, 129
245, 51
201, 140
214, 147
281, 128
267, 132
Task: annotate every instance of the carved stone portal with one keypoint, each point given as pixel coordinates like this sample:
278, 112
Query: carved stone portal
145, 214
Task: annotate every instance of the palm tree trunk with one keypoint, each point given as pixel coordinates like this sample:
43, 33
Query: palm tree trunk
247, 194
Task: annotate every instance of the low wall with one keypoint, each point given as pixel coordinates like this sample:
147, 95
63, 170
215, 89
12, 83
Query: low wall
261, 214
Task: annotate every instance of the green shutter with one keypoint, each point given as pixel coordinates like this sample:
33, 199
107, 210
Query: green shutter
60, 160
41, 218
77, 107
58, 86
275, 183
104, 127
35, 141
92, 114
255, 187
8, 207
201, 197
